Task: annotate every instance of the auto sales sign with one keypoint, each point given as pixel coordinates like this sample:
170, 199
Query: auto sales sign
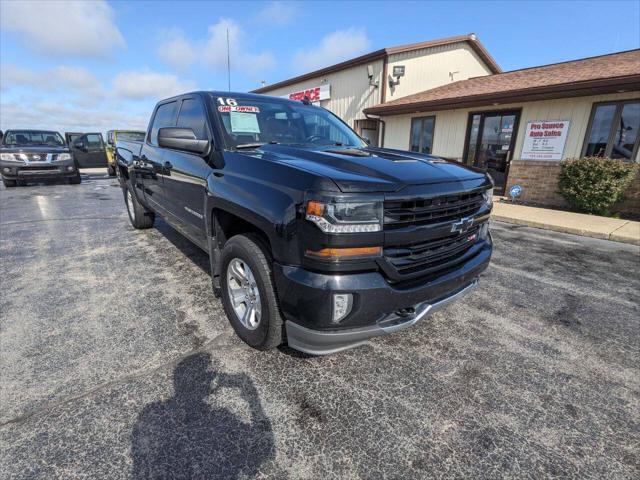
314, 94
545, 140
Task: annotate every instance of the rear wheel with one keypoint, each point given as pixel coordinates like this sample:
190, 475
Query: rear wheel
139, 216
248, 292
9, 183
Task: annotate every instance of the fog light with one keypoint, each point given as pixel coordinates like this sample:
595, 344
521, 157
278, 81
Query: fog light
342, 304
6, 170
70, 168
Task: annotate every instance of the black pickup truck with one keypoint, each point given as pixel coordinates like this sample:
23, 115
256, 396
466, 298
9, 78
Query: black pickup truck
314, 238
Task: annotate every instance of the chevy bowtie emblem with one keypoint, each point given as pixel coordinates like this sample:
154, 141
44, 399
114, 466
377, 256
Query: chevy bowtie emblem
462, 225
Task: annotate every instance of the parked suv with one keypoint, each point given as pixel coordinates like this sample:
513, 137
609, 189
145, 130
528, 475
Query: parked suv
35, 155
314, 238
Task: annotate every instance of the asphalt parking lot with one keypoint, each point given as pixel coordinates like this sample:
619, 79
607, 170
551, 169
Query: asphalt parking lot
117, 362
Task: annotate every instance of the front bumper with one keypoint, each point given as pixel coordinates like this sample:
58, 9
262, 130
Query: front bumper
318, 342
306, 302
37, 170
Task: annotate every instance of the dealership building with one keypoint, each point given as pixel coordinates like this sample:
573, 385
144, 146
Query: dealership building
450, 98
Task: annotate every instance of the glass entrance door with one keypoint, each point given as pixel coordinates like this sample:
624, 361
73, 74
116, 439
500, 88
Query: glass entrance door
491, 141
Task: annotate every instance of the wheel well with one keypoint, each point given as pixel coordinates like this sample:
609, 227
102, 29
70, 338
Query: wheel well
229, 225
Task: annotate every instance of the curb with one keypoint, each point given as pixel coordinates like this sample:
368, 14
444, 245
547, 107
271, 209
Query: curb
574, 231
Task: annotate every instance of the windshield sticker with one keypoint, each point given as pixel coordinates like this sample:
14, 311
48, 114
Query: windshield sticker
244, 122
239, 108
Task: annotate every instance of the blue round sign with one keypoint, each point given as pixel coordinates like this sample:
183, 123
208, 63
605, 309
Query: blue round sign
515, 190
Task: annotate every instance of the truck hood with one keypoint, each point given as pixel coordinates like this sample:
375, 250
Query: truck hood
371, 169
34, 149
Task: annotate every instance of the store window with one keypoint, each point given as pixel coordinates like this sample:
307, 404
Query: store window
613, 130
422, 134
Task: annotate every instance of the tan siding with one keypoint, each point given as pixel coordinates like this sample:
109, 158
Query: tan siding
451, 125
430, 67
350, 91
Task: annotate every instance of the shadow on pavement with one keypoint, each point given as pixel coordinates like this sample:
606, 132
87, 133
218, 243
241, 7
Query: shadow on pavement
182, 243
191, 435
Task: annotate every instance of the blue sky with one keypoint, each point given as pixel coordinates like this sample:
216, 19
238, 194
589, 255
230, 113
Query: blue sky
99, 65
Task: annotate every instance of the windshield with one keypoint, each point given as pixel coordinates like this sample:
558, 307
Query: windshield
32, 137
249, 123
135, 136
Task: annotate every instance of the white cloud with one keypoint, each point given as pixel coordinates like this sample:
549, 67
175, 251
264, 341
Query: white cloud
56, 116
77, 79
179, 52
333, 48
63, 28
149, 84
277, 13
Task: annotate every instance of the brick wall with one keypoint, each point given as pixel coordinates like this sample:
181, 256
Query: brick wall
539, 181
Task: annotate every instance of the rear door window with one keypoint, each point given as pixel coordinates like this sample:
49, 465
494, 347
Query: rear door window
165, 117
94, 142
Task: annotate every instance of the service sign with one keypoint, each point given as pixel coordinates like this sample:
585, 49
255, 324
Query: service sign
545, 140
315, 94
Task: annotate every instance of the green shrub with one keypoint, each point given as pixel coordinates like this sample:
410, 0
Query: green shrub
593, 184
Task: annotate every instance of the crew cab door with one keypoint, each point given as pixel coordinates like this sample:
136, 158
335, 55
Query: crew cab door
185, 173
151, 159
88, 150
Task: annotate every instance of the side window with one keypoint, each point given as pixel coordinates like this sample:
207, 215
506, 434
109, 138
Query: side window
614, 131
165, 117
422, 134
94, 142
192, 116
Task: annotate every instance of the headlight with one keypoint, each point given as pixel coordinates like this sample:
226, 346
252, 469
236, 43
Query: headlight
488, 196
63, 156
8, 157
346, 217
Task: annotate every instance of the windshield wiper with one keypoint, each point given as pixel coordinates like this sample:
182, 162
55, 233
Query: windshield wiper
254, 145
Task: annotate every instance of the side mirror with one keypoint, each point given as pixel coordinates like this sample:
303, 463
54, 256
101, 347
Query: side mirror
79, 144
182, 139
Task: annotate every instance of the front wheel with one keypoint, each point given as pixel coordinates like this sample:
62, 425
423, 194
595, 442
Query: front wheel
248, 292
139, 216
9, 183
111, 170
76, 179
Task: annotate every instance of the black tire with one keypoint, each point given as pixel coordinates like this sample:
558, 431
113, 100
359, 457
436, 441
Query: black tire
111, 170
9, 183
139, 216
250, 249
75, 180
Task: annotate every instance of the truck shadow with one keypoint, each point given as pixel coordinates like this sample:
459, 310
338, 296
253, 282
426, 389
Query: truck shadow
191, 435
189, 249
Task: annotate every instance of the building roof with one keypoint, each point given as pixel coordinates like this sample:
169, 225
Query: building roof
603, 74
471, 39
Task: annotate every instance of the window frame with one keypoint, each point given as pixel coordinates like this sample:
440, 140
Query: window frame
196, 98
619, 104
421, 140
155, 114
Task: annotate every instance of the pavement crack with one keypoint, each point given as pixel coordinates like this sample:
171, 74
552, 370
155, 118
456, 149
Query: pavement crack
125, 378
